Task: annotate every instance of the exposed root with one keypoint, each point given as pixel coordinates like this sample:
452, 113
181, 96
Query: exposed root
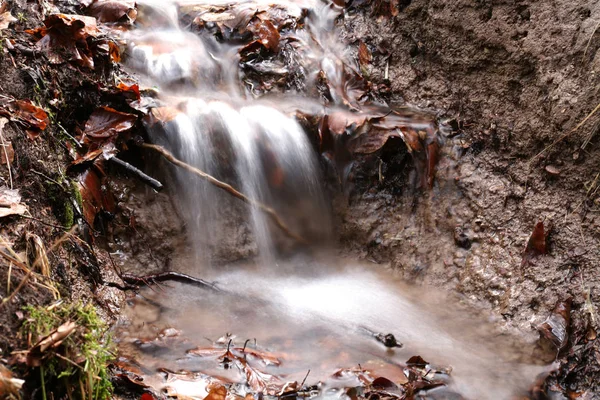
229, 189
135, 282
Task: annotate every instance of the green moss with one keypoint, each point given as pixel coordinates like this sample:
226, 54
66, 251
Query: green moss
78, 367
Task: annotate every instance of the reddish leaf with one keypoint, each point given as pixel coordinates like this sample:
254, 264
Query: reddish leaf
218, 392
106, 122
113, 11
268, 35
95, 194
133, 88
364, 54
536, 245
27, 113
65, 39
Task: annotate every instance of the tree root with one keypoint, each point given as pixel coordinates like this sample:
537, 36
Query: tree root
133, 282
229, 189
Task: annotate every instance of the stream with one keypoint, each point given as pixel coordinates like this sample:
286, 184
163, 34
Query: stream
294, 310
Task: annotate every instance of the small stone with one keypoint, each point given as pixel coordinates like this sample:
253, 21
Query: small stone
552, 170
461, 239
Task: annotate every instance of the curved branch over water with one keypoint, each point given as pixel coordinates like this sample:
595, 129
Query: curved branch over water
229, 189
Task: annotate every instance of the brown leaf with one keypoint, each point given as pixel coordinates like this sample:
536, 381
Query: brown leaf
373, 140
95, 194
217, 392
10, 202
27, 113
53, 340
106, 122
133, 88
113, 11
364, 54
268, 35
161, 115
416, 361
7, 154
556, 327
536, 245
64, 38
6, 19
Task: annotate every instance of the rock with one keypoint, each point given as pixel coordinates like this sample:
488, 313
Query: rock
461, 238
552, 170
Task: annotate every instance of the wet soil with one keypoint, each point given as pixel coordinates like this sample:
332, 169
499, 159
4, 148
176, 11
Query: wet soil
512, 77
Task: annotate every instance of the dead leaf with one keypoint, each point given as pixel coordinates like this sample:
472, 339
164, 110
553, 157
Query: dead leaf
536, 245
161, 115
364, 54
7, 154
556, 327
416, 361
9, 386
95, 194
64, 38
105, 123
267, 35
218, 392
53, 340
123, 11
6, 17
25, 112
10, 202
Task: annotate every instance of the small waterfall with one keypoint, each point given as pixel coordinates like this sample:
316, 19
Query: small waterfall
255, 146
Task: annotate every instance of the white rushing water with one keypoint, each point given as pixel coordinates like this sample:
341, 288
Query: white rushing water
263, 150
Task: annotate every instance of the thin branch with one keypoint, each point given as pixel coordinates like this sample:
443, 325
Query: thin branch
148, 180
229, 189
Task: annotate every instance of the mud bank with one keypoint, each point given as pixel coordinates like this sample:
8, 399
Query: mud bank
511, 78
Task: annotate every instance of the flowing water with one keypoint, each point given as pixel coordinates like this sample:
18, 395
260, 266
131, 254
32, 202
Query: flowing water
318, 315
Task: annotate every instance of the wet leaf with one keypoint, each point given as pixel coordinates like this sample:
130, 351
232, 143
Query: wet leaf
95, 194
106, 122
536, 245
364, 54
25, 112
64, 38
161, 115
267, 35
10, 202
416, 361
556, 327
383, 383
133, 88
218, 392
53, 340
113, 11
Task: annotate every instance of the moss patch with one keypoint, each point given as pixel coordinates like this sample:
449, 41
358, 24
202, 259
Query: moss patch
77, 368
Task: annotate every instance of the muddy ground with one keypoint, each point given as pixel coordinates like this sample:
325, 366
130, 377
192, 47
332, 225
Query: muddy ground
513, 77
509, 78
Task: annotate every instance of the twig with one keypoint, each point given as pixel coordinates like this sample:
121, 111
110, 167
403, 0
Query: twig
134, 282
43, 222
229, 189
569, 133
304, 380
3, 121
148, 180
